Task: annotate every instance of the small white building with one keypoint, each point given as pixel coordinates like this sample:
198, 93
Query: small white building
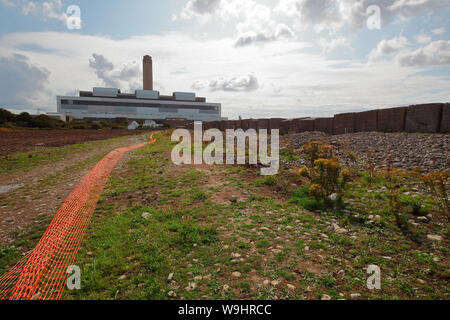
133, 125
151, 124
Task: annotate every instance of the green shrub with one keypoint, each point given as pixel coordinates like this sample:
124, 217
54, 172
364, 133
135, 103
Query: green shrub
267, 180
413, 204
437, 183
301, 198
6, 116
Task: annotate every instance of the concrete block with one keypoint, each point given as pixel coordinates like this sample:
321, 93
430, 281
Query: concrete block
244, 124
263, 124
324, 125
344, 123
392, 119
223, 125
253, 124
286, 126
366, 121
445, 122
215, 125
274, 123
424, 118
237, 124
207, 125
303, 125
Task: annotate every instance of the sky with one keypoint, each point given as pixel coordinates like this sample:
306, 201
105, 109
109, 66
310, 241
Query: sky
267, 58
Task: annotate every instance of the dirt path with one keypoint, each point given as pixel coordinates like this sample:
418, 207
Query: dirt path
26, 197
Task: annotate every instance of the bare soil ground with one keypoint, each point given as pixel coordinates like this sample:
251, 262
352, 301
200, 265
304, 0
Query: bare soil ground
28, 197
25, 140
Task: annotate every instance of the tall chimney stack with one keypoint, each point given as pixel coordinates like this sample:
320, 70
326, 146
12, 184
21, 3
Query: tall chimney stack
148, 72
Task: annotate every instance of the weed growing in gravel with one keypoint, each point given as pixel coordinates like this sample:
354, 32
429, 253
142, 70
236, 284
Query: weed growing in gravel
395, 205
327, 178
370, 165
437, 183
314, 150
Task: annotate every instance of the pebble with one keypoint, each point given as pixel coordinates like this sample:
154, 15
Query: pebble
274, 282
355, 295
422, 218
233, 199
171, 294
434, 237
290, 286
146, 215
403, 145
191, 286
236, 274
325, 297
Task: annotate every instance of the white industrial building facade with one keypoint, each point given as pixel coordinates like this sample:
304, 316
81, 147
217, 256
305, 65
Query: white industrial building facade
147, 104
138, 106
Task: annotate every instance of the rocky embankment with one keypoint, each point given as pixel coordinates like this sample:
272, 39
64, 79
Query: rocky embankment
431, 152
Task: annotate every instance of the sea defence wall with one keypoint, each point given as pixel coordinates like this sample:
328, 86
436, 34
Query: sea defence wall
423, 118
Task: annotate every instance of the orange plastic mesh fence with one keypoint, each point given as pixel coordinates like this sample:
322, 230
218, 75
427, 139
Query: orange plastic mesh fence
42, 274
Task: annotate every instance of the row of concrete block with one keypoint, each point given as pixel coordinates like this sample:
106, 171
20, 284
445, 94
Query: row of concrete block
426, 118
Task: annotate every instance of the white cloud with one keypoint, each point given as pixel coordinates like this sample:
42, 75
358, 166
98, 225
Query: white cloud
245, 84
438, 31
433, 54
423, 38
334, 15
45, 10
320, 14
388, 47
127, 78
253, 22
251, 37
23, 85
436, 53
411, 8
198, 7
329, 45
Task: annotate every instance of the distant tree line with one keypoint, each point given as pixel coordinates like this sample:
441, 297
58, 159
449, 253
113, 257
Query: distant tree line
25, 120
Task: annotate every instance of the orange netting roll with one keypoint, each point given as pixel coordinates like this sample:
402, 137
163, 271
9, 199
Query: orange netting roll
42, 274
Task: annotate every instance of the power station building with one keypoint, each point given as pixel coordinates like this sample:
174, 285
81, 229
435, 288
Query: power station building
146, 104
